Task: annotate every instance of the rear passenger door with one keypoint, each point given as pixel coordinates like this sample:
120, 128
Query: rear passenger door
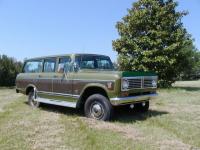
45, 79
62, 82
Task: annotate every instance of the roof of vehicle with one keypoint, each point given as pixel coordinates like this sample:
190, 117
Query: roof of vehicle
52, 56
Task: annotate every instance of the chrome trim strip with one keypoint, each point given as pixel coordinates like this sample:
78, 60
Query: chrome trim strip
56, 102
93, 80
139, 77
59, 94
45, 78
131, 99
139, 88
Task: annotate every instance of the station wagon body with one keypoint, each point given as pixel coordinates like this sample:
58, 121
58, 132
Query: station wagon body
85, 81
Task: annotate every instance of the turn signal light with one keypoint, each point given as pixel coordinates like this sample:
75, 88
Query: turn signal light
125, 94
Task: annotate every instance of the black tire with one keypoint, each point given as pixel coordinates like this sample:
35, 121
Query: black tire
31, 100
98, 107
142, 107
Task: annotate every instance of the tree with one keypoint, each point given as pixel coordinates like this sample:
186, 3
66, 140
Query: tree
191, 68
9, 68
152, 37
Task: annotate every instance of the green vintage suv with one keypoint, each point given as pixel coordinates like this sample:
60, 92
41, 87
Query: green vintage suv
86, 81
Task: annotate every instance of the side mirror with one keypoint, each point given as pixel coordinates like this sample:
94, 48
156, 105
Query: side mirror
115, 68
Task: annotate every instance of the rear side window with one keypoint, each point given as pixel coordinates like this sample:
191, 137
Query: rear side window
49, 65
33, 66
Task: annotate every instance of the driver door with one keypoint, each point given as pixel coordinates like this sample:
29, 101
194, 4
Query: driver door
62, 80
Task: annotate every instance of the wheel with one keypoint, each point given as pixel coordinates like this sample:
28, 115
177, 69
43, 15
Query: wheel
98, 107
142, 107
31, 100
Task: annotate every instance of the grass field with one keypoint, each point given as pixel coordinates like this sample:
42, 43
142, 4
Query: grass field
173, 122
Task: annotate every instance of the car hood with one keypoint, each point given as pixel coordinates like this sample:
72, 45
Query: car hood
119, 74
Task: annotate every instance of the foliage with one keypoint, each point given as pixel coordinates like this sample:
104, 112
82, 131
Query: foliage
191, 68
196, 68
9, 68
152, 37
115, 65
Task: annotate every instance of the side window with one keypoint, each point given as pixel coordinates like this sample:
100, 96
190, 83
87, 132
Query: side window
64, 63
33, 66
86, 62
49, 65
103, 64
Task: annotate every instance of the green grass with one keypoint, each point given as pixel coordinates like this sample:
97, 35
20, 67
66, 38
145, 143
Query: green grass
173, 122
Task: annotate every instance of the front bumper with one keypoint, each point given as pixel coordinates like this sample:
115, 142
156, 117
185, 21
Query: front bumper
131, 99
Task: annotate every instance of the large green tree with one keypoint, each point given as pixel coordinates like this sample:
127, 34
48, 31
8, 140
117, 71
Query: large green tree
152, 37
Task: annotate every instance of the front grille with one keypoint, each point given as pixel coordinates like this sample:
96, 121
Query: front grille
141, 82
135, 83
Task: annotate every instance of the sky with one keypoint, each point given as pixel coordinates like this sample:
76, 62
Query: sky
32, 28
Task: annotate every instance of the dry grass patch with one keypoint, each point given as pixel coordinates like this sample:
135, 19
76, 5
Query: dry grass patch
128, 131
45, 132
6, 97
173, 122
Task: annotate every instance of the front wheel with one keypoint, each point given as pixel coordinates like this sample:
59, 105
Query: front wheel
31, 100
98, 107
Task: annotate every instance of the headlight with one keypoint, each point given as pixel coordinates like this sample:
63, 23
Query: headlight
154, 83
125, 84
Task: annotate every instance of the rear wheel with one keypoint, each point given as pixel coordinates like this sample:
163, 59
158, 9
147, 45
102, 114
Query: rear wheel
142, 107
31, 100
98, 107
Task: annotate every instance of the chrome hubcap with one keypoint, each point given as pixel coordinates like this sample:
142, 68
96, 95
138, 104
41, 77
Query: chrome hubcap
97, 111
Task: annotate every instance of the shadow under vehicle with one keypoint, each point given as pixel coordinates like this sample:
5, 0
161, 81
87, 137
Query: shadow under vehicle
86, 81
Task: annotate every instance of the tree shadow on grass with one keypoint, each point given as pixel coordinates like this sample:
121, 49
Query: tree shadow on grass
192, 89
127, 115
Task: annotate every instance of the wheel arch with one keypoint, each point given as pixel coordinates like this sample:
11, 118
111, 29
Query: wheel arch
89, 90
29, 88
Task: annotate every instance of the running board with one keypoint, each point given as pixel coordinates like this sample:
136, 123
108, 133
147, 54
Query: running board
56, 102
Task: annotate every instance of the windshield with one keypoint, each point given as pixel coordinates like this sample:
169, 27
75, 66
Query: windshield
93, 62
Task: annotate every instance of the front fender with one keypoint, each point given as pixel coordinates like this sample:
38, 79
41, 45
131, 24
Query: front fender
99, 85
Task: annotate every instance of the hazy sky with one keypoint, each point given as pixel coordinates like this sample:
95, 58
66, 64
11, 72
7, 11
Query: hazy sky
30, 28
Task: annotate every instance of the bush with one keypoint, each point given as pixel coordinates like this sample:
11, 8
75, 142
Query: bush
9, 68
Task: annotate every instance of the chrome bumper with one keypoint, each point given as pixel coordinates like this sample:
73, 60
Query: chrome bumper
131, 99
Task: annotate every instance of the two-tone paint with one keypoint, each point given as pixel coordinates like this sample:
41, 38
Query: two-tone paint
71, 86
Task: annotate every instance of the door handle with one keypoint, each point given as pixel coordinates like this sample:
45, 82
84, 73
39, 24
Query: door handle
65, 75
